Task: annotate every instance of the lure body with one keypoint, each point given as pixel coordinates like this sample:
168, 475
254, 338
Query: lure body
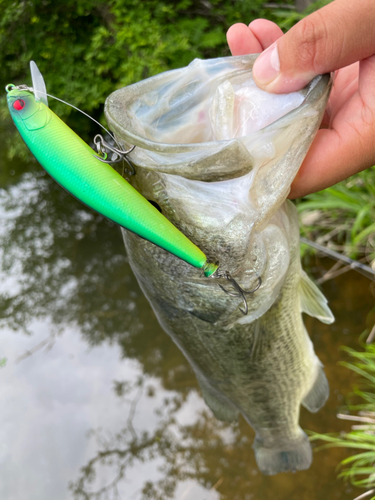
71, 162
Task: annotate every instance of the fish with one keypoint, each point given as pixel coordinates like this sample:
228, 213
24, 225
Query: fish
74, 165
217, 155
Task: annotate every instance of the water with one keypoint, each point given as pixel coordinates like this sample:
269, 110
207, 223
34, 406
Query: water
96, 400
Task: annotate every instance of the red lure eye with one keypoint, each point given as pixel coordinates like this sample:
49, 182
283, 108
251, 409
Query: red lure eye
19, 104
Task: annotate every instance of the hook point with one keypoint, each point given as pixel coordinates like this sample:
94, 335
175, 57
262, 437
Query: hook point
241, 291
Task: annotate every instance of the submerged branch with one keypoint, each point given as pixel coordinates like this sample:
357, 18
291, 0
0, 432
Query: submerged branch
48, 343
356, 418
365, 495
370, 338
353, 264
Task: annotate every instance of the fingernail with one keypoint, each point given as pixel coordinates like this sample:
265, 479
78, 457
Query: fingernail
267, 66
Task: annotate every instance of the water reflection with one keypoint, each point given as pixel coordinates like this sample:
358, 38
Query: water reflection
97, 402
49, 243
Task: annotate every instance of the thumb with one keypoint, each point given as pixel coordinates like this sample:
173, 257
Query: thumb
329, 39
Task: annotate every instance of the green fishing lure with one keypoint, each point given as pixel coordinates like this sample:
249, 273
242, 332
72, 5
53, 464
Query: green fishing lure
74, 165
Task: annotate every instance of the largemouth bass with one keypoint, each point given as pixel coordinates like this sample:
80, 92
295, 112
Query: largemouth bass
218, 156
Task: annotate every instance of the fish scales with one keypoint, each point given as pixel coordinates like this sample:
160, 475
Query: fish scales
228, 197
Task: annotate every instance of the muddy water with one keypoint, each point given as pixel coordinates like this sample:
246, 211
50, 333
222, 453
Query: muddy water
96, 400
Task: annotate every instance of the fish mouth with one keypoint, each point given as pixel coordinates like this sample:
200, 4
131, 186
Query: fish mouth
144, 114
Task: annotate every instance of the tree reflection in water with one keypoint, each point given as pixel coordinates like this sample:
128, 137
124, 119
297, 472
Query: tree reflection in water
201, 451
51, 243
69, 264
61, 261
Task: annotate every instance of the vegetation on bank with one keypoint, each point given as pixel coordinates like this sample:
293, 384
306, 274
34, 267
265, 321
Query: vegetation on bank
358, 468
342, 217
88, 49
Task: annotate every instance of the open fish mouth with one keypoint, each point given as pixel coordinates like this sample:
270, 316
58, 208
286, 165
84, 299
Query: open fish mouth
209, 121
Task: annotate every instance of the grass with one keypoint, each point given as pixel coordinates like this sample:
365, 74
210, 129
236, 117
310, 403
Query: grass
359, 468
343, 217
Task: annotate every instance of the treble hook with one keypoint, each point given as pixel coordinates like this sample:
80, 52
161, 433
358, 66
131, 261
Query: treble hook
241, 291
101, 145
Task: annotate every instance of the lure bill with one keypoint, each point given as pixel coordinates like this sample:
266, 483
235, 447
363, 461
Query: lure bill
72, 163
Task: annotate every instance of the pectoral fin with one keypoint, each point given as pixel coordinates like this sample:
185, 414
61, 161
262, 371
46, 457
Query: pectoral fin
313, 301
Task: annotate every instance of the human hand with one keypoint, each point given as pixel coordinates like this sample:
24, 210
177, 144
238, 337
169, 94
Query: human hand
339, 37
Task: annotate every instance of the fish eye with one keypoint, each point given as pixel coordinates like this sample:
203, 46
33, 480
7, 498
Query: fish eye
19, 104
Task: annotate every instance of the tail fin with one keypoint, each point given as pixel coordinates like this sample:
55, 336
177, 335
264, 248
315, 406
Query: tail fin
290, 456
